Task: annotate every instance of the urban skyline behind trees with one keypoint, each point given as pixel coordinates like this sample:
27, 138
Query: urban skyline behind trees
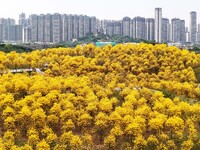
56, 28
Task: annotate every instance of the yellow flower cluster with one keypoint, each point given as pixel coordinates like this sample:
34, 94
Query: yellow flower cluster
123, 97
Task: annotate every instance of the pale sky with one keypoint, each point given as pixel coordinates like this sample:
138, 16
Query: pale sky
102, 9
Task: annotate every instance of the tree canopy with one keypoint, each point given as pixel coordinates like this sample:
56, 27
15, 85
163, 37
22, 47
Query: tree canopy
139, 96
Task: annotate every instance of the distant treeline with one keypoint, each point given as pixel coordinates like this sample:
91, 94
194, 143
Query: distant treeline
90, 38
18, 48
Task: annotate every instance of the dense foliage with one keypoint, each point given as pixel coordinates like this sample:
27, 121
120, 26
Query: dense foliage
122, 97
107, 38
18, 48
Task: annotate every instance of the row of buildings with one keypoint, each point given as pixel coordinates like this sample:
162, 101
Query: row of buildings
55, 28
10, 31
160, 29
176, 31
49, 28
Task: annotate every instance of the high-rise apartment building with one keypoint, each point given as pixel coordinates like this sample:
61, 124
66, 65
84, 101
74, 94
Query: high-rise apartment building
182, 32
11, 33
48, 28
57, 28
150, 29
22, 20
114, 28
158, 24
1, 32
86, 25
8, 21
4, 28
117, 27
103, 26
67, 27
76, 26
26, 34
187, 34
14, 33
198, 34
93, 25
165, 30
126, 26
110, 28
98, 25
18, 33
175, 30
178, 31
34, 27
193, 26
138, 26
41, 23
81, 32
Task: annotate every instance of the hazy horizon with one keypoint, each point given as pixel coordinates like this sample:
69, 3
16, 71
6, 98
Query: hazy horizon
104, 9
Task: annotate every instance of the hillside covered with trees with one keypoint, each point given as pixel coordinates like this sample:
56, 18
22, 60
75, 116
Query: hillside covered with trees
138, 96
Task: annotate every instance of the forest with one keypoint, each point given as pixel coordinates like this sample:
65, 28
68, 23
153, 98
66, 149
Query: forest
131, 97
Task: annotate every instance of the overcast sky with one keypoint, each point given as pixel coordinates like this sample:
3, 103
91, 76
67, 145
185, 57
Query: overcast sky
102, 9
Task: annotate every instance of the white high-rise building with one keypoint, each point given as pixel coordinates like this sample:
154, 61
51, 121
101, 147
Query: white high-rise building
158, 24
26, 34
187, 34
193, 26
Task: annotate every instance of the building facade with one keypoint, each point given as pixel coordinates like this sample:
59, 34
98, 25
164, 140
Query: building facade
165, 30
26, 34
22, 20
158, 25
56, 28
138, 28
198, 34
117, 27
126, 26
41, 19
193, 26
34, 27
150, 29
175, 30
48, 28
182, 32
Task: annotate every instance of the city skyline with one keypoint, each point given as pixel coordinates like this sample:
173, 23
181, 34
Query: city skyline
58, 27
102, 9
